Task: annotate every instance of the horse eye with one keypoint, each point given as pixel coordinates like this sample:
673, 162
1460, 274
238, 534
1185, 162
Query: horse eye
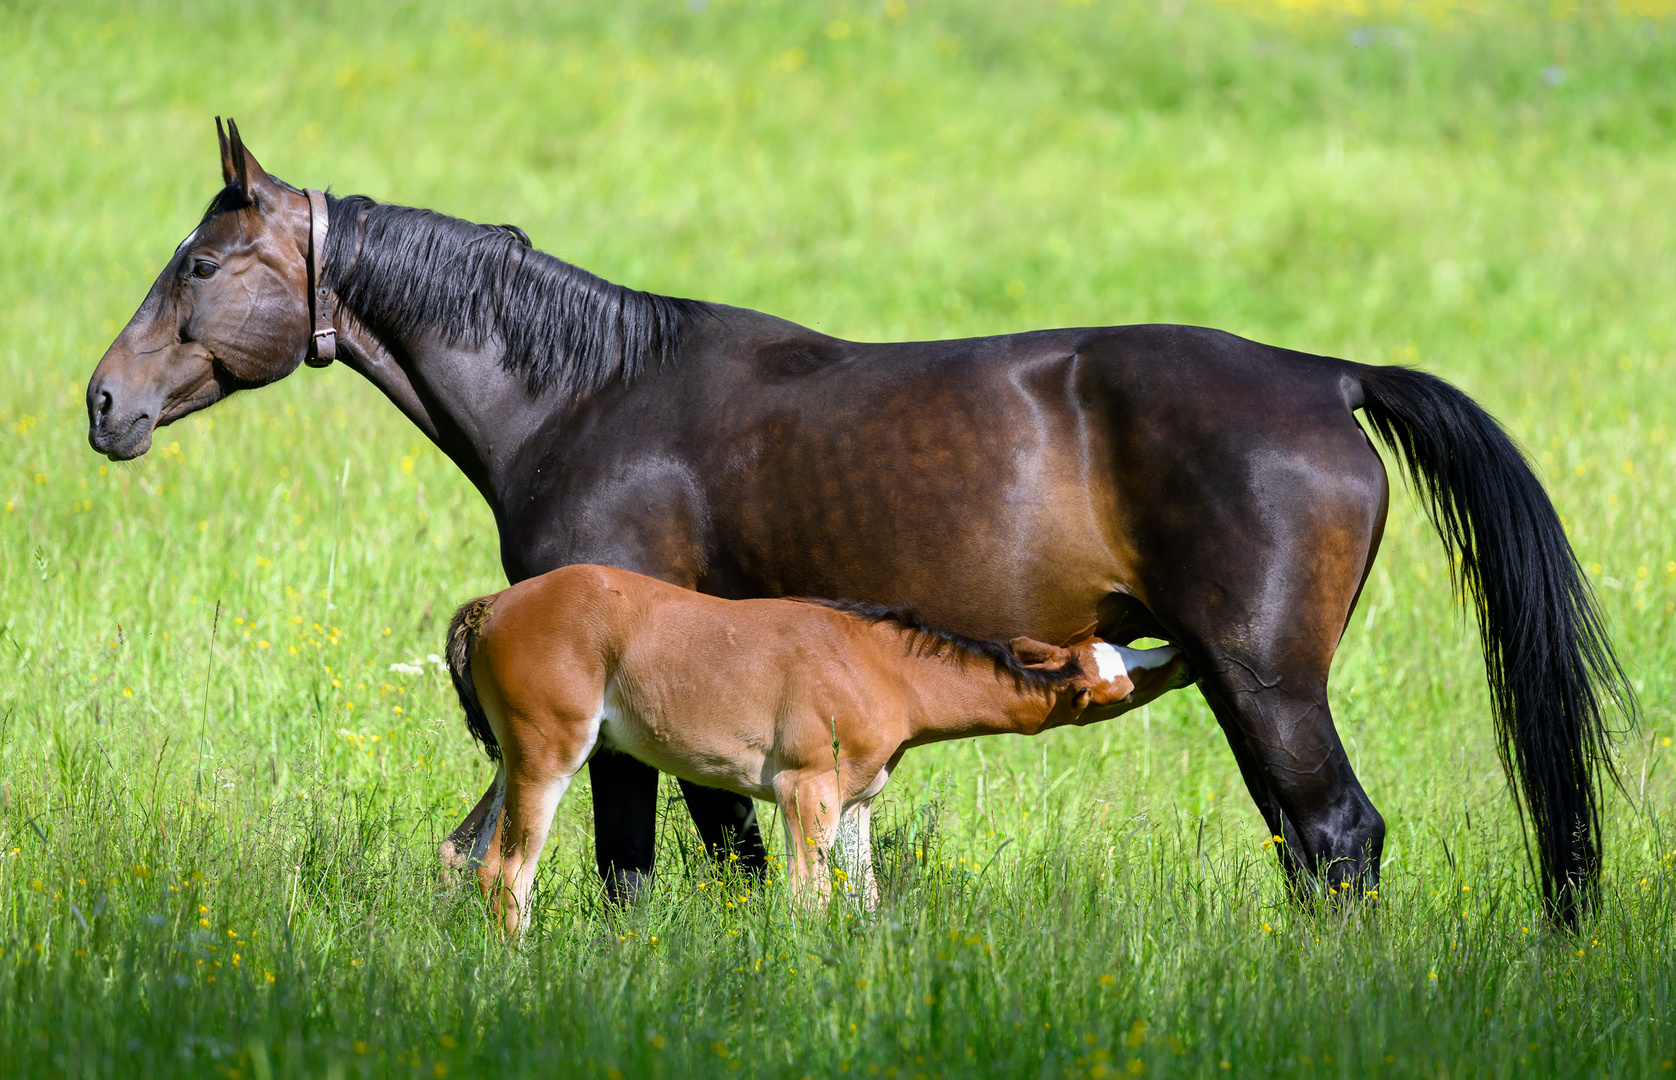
203, 268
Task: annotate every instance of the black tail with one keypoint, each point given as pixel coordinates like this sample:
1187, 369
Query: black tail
1546, 652
462, 632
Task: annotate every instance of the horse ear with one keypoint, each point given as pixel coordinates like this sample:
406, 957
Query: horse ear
241, 171
1039, 654
226, 153
247, 171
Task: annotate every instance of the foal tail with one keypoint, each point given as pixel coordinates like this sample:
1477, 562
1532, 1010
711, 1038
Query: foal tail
462, 633
1546, 652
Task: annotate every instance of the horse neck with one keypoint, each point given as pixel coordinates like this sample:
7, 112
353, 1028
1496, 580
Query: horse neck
482, 388
462, 399
961, 696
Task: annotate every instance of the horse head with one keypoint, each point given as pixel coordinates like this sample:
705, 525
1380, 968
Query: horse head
228, 312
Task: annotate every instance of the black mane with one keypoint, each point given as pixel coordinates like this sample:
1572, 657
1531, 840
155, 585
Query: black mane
403, 270
926, 640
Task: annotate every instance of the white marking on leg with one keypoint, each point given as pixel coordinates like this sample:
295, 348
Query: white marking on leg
876, 786
611, 722
859, 851
869, 884
540, 820
850, 843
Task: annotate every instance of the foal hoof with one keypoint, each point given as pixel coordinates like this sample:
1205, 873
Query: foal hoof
452, 856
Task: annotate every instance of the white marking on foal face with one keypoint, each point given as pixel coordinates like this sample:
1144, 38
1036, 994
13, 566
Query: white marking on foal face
1110, 662
1143, 660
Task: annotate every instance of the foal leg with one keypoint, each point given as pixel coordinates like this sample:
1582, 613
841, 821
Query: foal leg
533, 791
470, 839
810, 807
855, 835
544, 744
854, 842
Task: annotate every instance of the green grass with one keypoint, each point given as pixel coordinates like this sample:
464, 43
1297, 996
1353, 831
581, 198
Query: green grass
218, 861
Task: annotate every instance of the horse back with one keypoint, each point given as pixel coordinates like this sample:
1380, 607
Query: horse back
1024, 484
1027, 483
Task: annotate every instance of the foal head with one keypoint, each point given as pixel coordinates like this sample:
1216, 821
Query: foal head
228, 312
1106, 678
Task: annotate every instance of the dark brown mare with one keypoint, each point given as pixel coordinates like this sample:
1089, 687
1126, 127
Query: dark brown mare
1162, 481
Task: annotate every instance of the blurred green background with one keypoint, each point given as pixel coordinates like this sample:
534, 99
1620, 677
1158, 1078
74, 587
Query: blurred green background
1482, 190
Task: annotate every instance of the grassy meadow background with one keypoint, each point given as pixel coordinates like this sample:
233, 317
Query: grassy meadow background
217, 834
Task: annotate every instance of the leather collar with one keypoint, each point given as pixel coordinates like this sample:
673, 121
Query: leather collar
322, 302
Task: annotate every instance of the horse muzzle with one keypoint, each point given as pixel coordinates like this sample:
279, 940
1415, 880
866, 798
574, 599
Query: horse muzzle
117, 426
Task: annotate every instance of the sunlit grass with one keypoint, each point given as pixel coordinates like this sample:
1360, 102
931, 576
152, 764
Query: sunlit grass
221, 734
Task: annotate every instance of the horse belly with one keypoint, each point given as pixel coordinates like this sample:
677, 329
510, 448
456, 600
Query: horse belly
698, 742
988, 509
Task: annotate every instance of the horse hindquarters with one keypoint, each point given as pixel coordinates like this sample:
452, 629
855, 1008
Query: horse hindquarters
544, 708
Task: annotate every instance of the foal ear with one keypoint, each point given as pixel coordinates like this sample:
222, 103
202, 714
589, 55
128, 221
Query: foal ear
1039, 654
227, 172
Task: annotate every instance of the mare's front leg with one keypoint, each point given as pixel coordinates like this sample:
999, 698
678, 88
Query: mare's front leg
625, 794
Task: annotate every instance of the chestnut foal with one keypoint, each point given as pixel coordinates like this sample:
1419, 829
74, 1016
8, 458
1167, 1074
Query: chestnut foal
808, 703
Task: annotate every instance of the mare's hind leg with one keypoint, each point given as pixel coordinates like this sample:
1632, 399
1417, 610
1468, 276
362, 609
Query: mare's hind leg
1259, 597
1290, 756
727, 823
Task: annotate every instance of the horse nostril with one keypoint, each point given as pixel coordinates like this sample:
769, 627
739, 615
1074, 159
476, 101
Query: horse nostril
102, 410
